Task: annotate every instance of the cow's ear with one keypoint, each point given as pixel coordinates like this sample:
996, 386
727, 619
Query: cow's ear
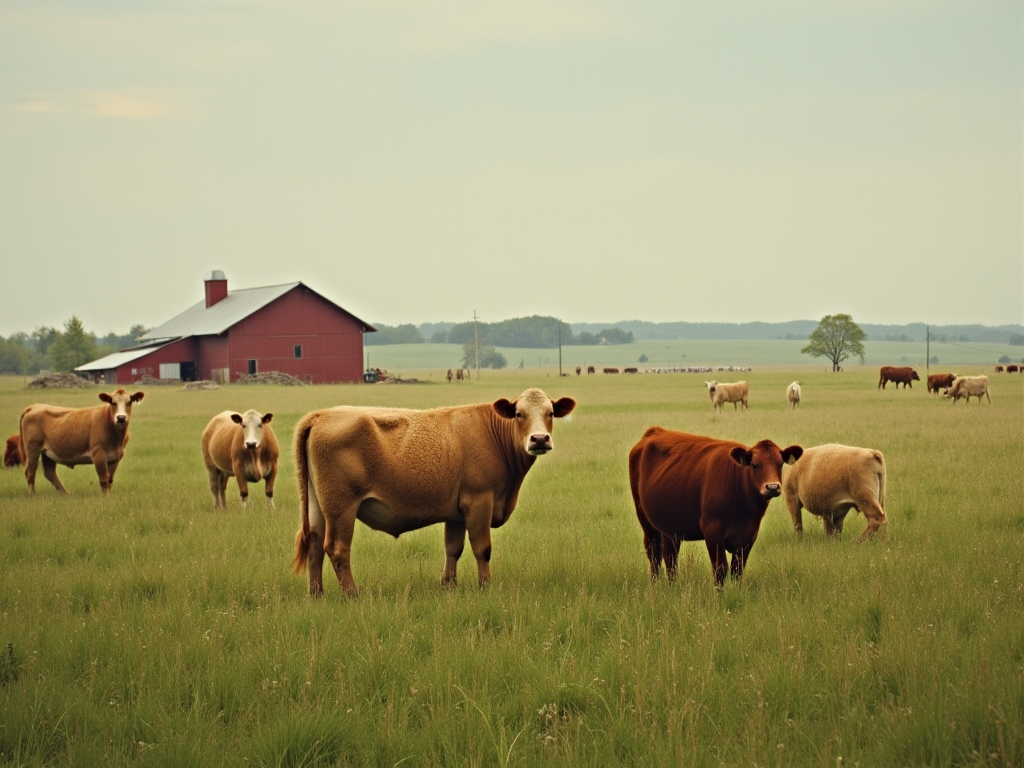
267, 418
740, 455
105, 397
236, 417
791, 454
563, 407
504, 408
138, 396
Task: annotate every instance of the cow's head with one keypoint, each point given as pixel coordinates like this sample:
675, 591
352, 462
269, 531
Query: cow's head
120, 403
914, 376
711, 388
765, 461
252, 423
534, 413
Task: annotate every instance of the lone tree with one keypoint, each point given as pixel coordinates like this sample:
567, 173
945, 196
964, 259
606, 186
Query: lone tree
837, 337
74, 347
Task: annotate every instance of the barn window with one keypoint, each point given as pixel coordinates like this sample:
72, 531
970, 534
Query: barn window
297, 350
252, 366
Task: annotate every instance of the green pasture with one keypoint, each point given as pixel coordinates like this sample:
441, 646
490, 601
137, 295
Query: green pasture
432, 360
146, 629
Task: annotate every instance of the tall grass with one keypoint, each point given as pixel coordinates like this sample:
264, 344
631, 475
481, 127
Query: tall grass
147, 629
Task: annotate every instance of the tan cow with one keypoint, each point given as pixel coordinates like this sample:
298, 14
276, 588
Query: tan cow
397, 470
70, 436
736, 393
242, 446
793, 394
830, 480
968, 387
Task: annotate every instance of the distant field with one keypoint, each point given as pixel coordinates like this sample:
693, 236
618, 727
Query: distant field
431, 360
146, 629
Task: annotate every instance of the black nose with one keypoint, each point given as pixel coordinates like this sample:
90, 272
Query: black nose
250, 444
772, 489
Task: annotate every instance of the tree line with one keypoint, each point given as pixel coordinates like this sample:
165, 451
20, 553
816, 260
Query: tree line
534, 332
55, 349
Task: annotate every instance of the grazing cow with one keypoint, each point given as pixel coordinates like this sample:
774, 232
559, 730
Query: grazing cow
578, 370
937, 381
611, 370
458, 374
690, 487
968, 386
96, 435
397, 470
13, 456
590, 369
904, 375
1014, 368
830, 480
736, 393
448, 376
793, 394
630, 370
242, 446
999, 369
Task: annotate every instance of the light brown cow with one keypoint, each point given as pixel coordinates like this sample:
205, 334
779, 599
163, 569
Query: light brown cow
398, 470
830, 480
96, 435
13, 456
736, 393
968, 387
242, 446
937, 381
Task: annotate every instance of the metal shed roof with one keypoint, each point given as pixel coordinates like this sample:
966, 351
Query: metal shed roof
117, 359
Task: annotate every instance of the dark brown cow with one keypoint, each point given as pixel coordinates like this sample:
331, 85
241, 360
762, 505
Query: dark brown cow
611, 370
398, 470
243, 446
71, 436
13, 456
590, 369
578, 370
1014, 368
449, 376
898, 375
692, 488
630, 370
937, 381
999, 369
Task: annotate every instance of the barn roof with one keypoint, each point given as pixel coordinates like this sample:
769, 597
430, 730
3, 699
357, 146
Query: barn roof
117, 359
200, 320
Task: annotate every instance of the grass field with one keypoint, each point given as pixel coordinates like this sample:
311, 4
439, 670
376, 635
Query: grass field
145, 629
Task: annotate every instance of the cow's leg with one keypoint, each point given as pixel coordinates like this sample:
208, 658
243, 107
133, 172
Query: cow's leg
50, 473
103, 470
339, 526
739, 559
268, 486
215, 485
796, 512
478, 527
652, 543
243, 485
875, 515
719, 562
454, 541
220, 495
31, 465
670, 554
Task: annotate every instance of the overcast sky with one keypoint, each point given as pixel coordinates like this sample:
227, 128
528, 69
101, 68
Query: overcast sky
699, 160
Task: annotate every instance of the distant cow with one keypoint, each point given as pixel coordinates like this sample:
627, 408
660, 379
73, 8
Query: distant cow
12, 452
458, 374
691, 488
793, 394
578, 370
630, 370
830, 480
937, 381
1014, 368
242, 446
611, 370
449, 376
904, 375
590, 369
999, 369
967, 387
736, 393
70, 436
397, 470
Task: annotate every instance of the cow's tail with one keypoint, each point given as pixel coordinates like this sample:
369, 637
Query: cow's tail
302, 478
880, 459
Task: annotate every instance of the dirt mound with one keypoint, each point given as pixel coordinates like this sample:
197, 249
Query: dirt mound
60, 381
270, 377
193, 386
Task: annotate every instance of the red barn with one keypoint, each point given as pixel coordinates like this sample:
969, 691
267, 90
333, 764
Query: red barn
289, 328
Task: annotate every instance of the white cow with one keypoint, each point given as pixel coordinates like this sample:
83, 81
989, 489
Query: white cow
793, 394
830, 480
736, 394
968, 386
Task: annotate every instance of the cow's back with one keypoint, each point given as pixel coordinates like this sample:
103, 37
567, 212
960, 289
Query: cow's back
827, 475
66, 433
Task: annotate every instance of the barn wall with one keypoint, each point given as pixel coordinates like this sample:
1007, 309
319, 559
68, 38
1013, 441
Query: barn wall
331, 340
149, 365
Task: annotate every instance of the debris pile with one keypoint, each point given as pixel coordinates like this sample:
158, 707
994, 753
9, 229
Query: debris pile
148, 381
64, 380
193, 386
270, 377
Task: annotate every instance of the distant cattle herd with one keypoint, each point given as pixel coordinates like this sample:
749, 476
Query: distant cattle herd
397, 470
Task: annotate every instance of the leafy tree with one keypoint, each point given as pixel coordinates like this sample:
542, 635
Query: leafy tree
489, 357
837, 337
74, 347
15, 357
398, 334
